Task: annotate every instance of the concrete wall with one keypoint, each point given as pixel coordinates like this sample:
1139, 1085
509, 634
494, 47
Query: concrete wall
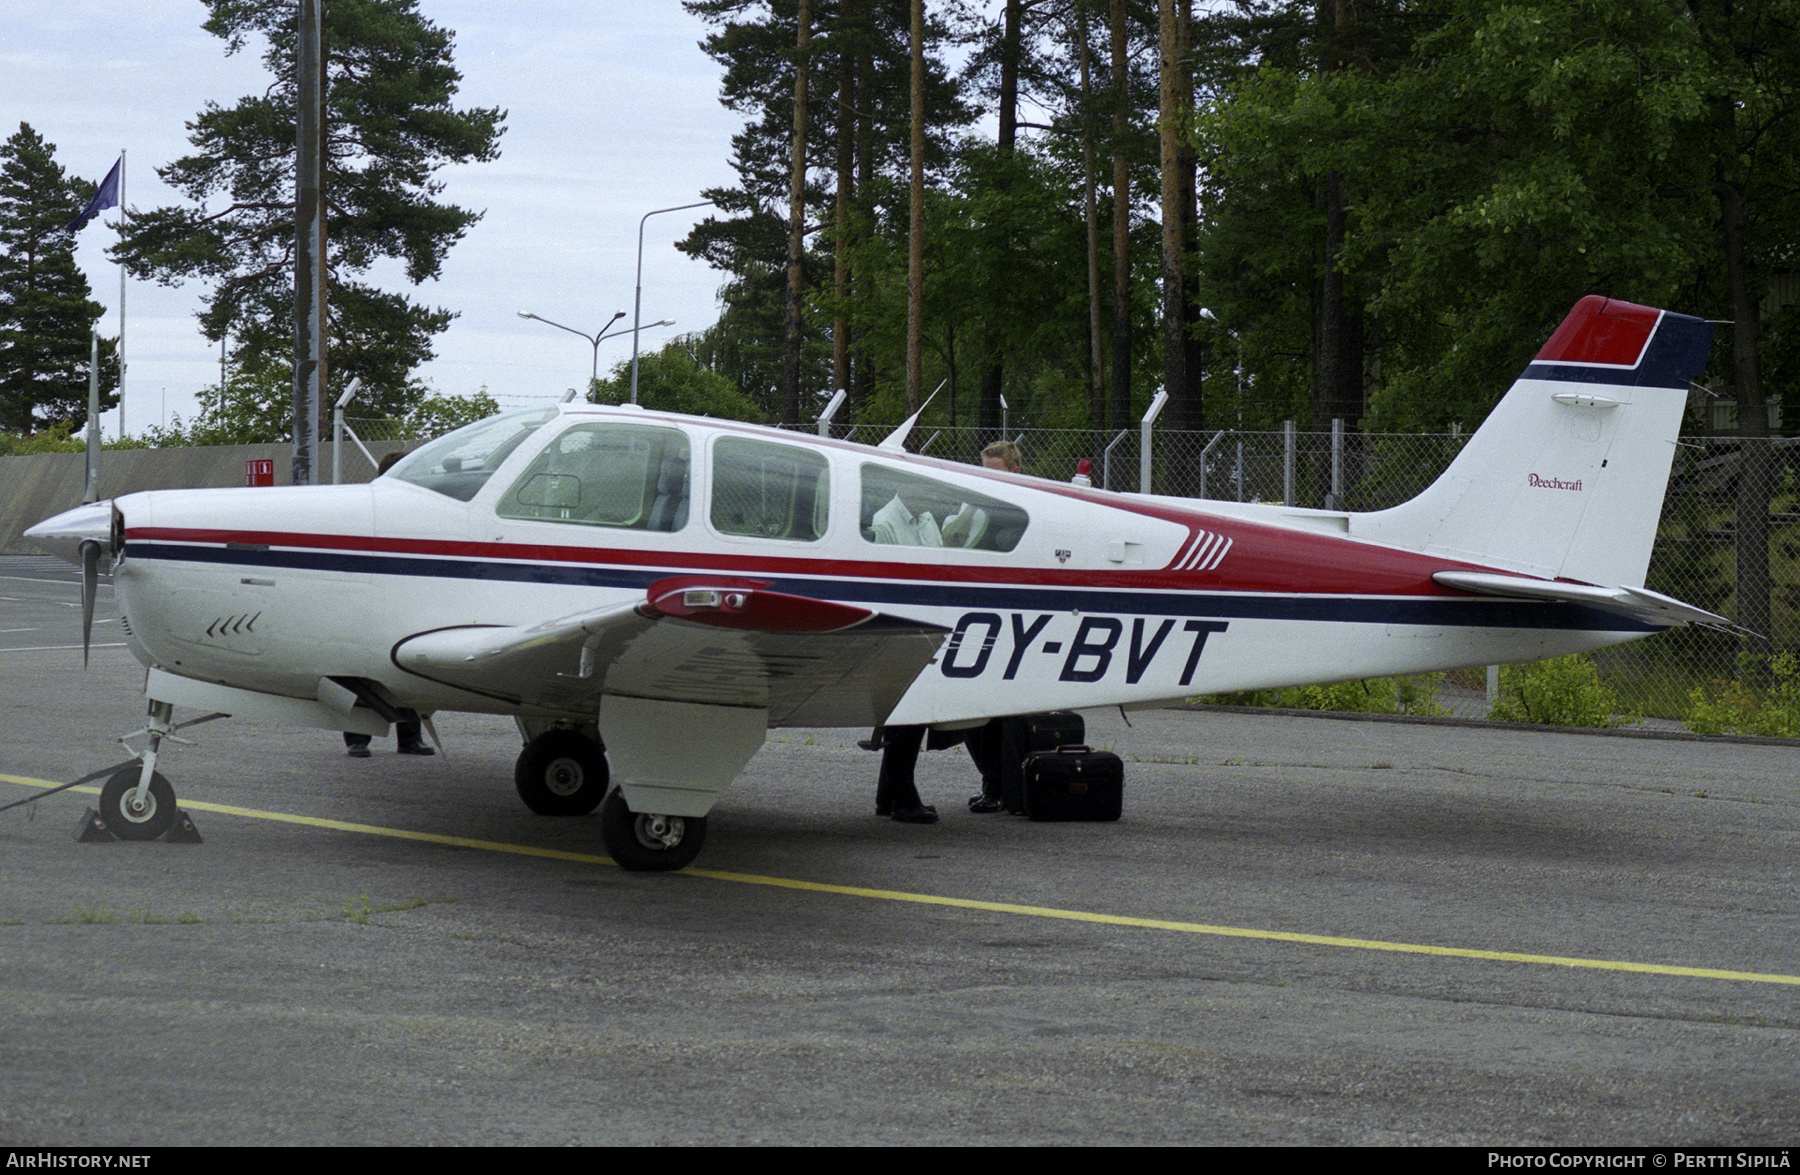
34, 488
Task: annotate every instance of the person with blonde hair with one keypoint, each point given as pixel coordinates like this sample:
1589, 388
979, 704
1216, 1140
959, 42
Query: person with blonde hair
1001, 455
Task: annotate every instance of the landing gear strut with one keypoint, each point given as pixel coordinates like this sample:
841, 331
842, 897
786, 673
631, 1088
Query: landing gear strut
137, 803
646, 843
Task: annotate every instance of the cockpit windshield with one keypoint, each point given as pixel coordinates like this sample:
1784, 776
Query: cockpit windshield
459, 463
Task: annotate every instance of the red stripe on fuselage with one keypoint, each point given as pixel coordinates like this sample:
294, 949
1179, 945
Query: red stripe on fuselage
1261, 559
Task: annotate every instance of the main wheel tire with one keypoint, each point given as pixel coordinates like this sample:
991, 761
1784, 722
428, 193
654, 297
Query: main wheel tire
561, 773
647, 843
128, 821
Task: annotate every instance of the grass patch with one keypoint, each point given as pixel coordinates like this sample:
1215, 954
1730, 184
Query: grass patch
1414, 694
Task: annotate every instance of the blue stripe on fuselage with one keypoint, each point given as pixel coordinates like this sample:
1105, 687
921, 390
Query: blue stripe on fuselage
1419, 611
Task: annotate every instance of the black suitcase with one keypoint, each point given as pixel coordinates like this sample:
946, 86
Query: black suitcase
1033, 732
1074, 783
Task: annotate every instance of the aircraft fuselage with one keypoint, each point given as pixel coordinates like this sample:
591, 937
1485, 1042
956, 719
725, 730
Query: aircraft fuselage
1070, 597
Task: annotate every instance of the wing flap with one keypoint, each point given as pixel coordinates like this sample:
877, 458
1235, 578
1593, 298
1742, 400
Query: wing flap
710, 640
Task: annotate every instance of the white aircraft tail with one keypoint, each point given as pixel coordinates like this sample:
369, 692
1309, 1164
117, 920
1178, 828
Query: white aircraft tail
1566, 477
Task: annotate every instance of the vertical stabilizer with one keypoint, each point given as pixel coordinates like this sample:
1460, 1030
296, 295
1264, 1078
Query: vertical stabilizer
1566, 477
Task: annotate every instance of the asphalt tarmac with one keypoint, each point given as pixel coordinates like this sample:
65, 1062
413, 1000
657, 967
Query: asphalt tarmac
1304, 930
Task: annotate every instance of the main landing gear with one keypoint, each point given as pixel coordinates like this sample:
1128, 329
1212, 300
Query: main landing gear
646, 843
561, 773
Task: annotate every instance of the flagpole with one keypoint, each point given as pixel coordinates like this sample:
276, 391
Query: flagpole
110, 194
121, 228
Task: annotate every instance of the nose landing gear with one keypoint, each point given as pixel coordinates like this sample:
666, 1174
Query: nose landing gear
136, 802
134, 812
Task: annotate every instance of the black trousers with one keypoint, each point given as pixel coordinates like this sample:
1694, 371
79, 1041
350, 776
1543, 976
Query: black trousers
895, 790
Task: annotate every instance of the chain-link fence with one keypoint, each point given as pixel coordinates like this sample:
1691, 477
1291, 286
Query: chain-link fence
368, 439
386, 428
1699, 546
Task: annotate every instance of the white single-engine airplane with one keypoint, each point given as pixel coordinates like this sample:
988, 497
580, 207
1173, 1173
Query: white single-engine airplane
651, 593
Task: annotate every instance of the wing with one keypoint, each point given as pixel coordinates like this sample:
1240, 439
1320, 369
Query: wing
710, 640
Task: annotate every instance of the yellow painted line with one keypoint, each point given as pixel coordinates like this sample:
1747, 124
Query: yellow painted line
1329, 940
460, 842
1023, 911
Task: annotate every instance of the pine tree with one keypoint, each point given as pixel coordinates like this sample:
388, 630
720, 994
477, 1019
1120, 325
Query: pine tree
46, 311
856, 121
390, 126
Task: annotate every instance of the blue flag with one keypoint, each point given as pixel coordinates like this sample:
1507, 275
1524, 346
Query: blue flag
106, 197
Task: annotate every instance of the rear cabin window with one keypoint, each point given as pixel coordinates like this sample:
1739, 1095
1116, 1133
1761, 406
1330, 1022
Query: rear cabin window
905, 509
766, 490
606, 474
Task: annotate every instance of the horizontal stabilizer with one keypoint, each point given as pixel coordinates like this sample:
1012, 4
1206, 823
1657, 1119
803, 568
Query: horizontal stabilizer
1638, 603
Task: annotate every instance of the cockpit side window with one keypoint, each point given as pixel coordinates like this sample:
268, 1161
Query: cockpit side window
459, 463
768, 490
903, 508
606, 474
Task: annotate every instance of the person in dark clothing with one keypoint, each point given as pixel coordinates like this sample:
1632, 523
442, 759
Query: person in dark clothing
409, 730
896, 794
990, 747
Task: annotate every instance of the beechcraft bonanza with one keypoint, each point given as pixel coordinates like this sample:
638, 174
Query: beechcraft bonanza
648, 594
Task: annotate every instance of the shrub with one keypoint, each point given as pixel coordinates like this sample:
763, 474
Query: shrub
1564, 691
1731, 707
1382, 695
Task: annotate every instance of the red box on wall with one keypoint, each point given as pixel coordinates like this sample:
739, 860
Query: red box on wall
259, 471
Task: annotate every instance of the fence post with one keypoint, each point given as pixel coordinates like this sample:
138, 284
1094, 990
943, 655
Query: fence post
837, 401
1206, 455
337, 430
1289, 441
1106, 460
1144, 427
1335, 499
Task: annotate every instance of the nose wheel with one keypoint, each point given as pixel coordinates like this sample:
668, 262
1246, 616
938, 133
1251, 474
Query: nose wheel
130, 816
137, 803
648, 843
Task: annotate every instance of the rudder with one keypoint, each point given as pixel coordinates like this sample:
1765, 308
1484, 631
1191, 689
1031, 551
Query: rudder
1566, 477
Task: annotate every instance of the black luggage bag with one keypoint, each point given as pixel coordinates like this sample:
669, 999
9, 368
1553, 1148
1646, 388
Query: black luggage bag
1033, 732
1074, 783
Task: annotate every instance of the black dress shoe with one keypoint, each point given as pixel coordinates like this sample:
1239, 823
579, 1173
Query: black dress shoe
416, 749
922, 814
358, 752
984, 804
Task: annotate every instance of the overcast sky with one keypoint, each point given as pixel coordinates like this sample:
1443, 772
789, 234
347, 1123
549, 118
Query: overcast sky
613, 111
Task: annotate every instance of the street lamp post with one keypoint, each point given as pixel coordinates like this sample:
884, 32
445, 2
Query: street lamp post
637, 298
593, 339
596, 340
